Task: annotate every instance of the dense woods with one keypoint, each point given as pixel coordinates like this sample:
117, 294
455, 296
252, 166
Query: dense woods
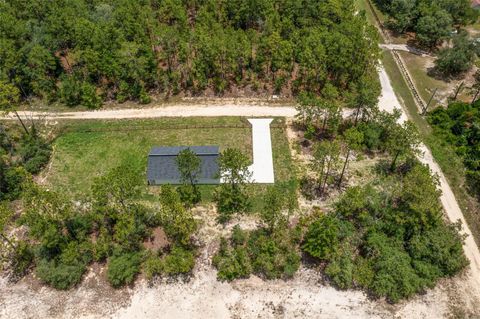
459, 125
432, 21
85, 52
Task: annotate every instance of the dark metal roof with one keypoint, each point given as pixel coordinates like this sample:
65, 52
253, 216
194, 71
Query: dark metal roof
174, 150
162, 166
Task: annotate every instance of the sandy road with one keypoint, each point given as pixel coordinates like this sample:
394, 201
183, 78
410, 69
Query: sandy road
388, 102
168, 111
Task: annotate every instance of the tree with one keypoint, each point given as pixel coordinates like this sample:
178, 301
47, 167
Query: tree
402, 140
189, 166
365, 97
354, 141
278, 204
231, 196
326, 155
321, 240
403, 13
457, 59
178, 222
9, 98
433, 28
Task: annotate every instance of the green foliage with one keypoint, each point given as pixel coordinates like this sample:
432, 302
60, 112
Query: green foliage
35, 153
457, 59
431, 20
123, 268
59, 275
179, 46
388, 237
188, 164
278, 204
321, 240
21, 259
232, 263
153, 266
341, 269
231, 196
178, 223
271, 255
178, 261
458, 125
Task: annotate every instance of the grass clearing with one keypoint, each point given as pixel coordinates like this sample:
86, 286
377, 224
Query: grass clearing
84, 150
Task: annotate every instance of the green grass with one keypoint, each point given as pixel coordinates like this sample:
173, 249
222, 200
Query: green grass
87, 149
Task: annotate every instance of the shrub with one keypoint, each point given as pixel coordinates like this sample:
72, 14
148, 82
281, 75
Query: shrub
239, 236
21, 259
189, 194
59, 275
440, 247
70, 90
35, 153
232, 263
179, 261
153, 266
340, 270
321, 240
273, 256
89, 97
122, 269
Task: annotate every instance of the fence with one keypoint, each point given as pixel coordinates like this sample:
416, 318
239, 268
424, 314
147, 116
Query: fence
398, 60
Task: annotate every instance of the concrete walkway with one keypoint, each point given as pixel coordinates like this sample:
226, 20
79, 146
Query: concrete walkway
262, 167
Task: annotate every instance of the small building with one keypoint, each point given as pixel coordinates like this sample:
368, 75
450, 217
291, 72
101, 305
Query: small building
162, 166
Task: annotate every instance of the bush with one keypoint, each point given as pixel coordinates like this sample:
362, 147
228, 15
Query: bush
273, 256
340, 270
457, 59
189, 194
232, 263
179, 261
35, 153
89, 97
321, 240
59, 275
440, 247
122, 269
21, 259
230, 202
153, 266
70, 90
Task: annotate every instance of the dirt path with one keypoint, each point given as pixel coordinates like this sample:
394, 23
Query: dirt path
168, 111
449, 202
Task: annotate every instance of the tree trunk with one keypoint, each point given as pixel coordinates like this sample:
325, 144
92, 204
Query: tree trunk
326, 175
343, 169
21, 122
394, 162
357, 115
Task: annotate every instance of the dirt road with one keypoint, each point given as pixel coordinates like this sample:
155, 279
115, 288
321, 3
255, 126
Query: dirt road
168, 111
388, 102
